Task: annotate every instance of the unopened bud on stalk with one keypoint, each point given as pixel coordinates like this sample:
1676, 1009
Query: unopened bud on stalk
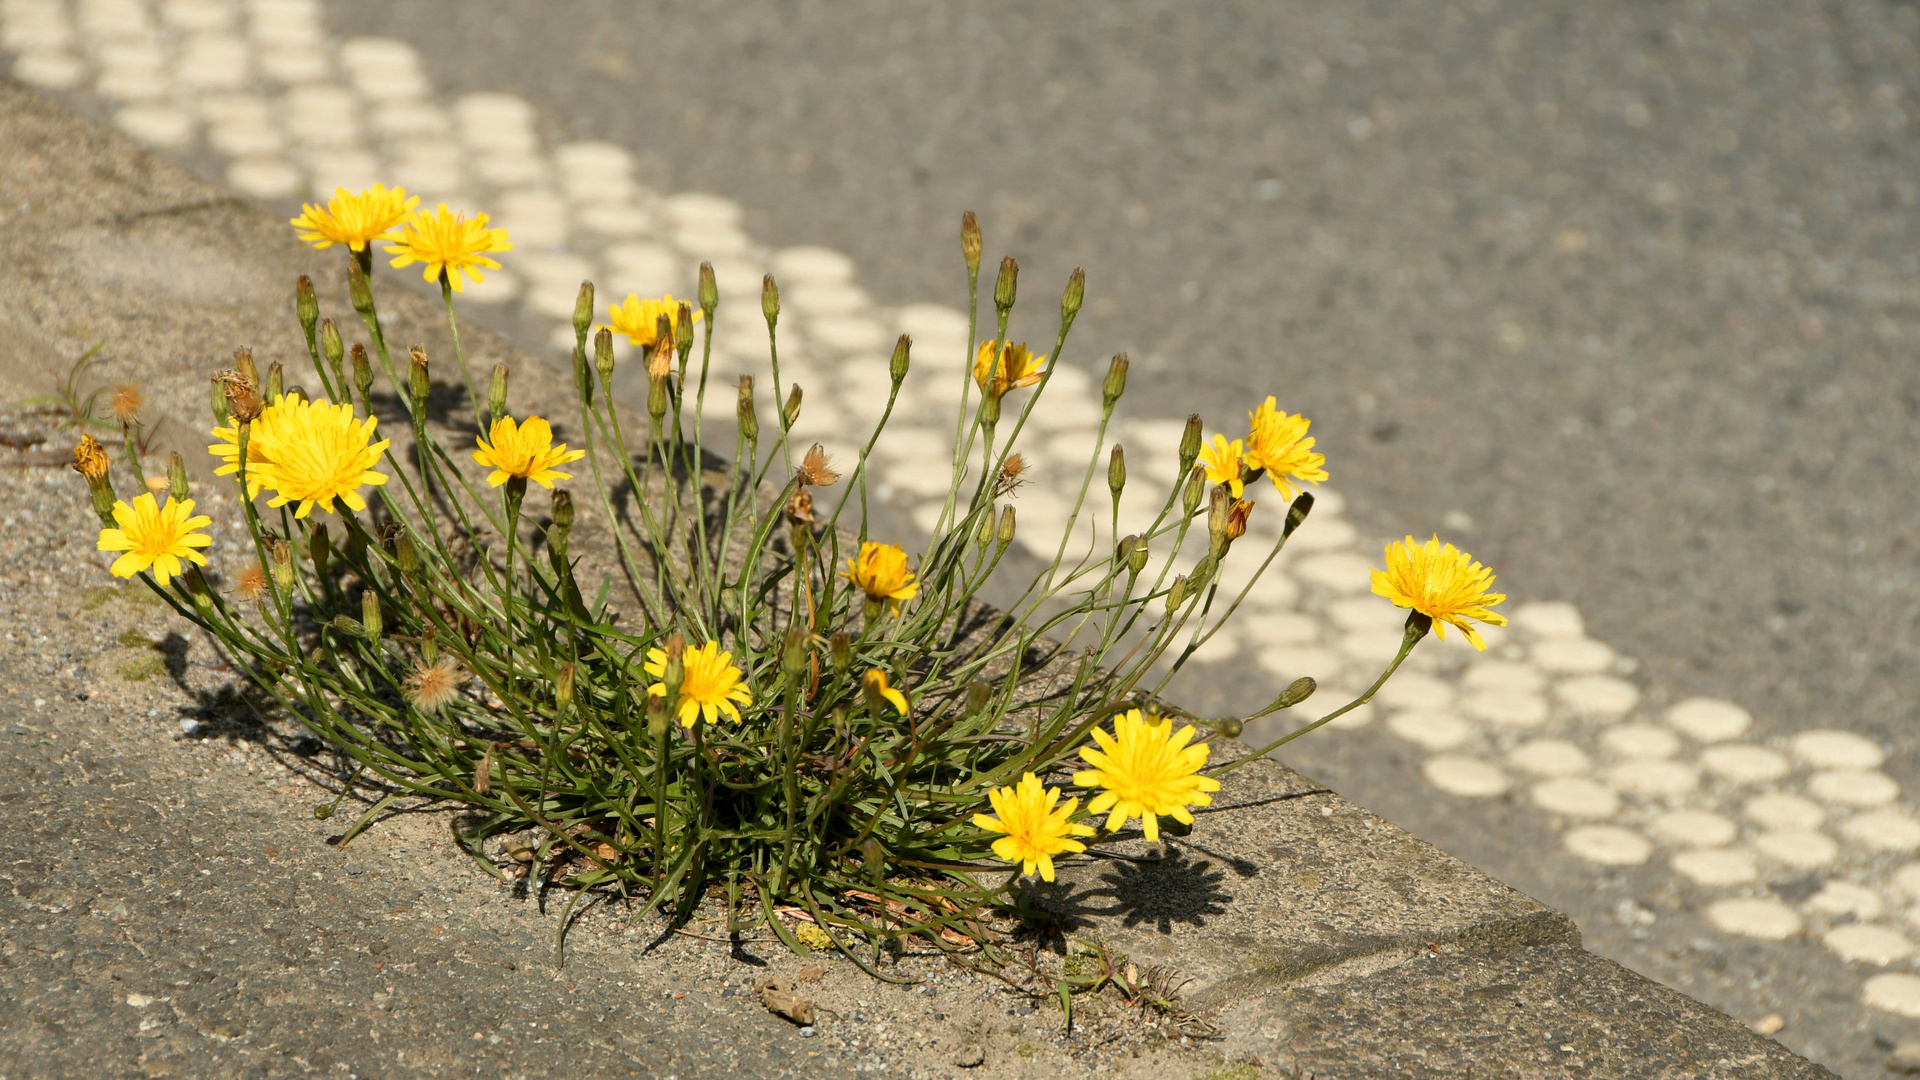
970, 242
656, 718
796, 651
1123, 550
405, 553
676, 673
177, 477
986, 528
898, 367
1196, 489
1076, 293
320, 548
362, 370
1177, 594
770, 300
990, 411
709, 292
306, 304
792, 411
1117, 470
1190, 442
583, 310
370, 614
1296, 692
1137, 558
560, 533
332, 348
657, 398
603, 357
359, 288
563, 687
1202, 573
1219, 503
419, 380
683, 329
280, 554
1006, 285
1116, 381
497, 393
276, 381
1297, 513
1006, 530
220, 415
979, 695
840, 652
1228, 726
748, 420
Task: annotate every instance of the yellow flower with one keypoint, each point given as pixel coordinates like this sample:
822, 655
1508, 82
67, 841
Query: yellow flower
355, 219
1442, 583
526, 451
155, 536
877, 688
711, 686
307, 452
1222, 460
1016, 368
449, 243
880, 570
90, 458
1278, 443
640, 319
1036, 829
1147, 770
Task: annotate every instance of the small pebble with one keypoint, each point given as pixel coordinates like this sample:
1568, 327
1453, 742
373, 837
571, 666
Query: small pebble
809, 1032
188, 727
1770, 1024
1905, 1059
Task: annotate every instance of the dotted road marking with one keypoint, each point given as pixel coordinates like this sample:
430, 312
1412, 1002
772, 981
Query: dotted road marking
294, 112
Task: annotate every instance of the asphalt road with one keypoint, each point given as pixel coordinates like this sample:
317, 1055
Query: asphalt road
1618, 296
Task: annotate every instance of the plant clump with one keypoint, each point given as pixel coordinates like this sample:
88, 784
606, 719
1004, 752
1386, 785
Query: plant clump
726, 688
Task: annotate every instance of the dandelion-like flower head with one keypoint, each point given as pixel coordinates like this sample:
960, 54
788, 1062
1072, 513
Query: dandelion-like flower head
712, 684
880, 570
639, 319
1035, 825
1016, 367
1278, 443
155, 537
309, 452
525, 451
1443, 583
876, 684
1146, 769
355, 219
444, 242
1223, 464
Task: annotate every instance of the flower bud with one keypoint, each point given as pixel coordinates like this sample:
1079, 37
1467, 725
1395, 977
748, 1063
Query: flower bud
1202, 573
1116, 382
362, 370
796, 651
979, 696
1176, 594
1117, 470
1190, 442
370, 614
1296, 692
1196, 488
791, 412
221, 417
359, 288
683, 329
985, 536
656, 718
332, 348
1006, 530
989, 410
320, 548
676, 650
497, 393
280, 554
1124, 549
563, 686
177, 477
1137, 558
1075, 294
243, 363
583, 310
1005, 287
898, 367
603, 357
970, 243
306, 304
405, 553
744, 414
769, 300
419, 379
709, 292
1297, 513
346, 625
561, 531
657, 399
840, 653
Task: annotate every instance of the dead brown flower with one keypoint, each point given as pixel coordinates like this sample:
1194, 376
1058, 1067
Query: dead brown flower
243, 396
1012, 472
815, 470
1237, 518
251, 584
126, 403
800, 508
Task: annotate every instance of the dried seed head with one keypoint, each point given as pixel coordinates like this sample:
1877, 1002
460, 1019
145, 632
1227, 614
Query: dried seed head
815, 470
1013, 473
251, 584
243, 396
800, 509
432, 686
126, 403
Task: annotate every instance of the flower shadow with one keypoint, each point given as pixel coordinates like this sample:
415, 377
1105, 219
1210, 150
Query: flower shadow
1173, 888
